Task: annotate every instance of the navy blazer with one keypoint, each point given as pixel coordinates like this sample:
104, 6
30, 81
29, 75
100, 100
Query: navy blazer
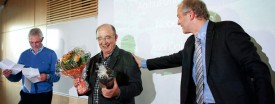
235, 72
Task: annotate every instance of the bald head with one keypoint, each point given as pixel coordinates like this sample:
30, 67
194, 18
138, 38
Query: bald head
106, 27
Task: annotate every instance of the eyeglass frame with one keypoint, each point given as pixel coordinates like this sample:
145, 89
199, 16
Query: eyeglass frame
105, 38
37, 42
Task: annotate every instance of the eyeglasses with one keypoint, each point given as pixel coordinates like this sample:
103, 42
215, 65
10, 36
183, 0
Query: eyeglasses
106, 38
36, 42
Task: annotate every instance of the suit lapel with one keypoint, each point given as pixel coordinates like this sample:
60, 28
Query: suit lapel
209, 43
114, 58
191, 50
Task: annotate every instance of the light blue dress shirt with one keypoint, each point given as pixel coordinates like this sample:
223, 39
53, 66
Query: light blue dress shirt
208, 97
39, 50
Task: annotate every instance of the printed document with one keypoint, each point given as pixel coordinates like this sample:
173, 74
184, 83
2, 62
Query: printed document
8, 64
31, 76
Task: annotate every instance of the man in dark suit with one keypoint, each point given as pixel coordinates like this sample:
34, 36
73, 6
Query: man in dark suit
232, 71
127, 83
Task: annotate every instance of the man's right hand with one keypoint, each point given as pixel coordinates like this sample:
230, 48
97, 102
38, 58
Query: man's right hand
137, 59
76, 82
7, 72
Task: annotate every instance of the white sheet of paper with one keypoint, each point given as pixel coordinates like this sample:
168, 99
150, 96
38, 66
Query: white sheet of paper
31, 74
7, 64
17, 68
27, 84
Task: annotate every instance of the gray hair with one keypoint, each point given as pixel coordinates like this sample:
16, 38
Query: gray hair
197, 6
35, 31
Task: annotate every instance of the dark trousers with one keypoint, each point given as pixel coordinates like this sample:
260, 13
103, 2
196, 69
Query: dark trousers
39, 98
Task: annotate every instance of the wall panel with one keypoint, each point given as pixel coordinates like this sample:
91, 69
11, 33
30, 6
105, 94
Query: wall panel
40, 12
18, 14
1, 38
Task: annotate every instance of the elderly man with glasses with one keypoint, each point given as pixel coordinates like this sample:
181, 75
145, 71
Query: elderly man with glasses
127, 82
44, 60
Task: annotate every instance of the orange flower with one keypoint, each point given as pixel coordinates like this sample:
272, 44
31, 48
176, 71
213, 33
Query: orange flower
76, 58
66, 57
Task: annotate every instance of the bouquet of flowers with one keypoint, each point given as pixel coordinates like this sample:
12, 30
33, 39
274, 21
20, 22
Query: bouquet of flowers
73, 65
105, 76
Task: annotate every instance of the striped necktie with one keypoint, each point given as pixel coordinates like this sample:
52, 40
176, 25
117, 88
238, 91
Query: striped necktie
199, 72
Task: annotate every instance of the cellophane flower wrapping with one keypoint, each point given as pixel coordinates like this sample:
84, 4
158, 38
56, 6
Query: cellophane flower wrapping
73, 65
105, 76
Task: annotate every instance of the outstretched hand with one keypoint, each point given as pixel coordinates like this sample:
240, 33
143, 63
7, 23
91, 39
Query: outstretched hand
137, 59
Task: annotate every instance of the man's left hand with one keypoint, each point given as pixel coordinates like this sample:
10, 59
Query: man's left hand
109, 93
42, 77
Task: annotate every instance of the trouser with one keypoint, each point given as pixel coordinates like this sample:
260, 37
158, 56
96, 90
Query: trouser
39, 98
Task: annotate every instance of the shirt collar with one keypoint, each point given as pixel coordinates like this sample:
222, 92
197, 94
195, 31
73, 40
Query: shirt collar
105, 61
202, 33
39, 50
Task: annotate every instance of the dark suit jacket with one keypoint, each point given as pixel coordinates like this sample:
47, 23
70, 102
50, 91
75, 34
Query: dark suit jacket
128, 77
235, 72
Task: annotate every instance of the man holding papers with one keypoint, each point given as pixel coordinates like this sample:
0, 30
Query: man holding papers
38, 73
